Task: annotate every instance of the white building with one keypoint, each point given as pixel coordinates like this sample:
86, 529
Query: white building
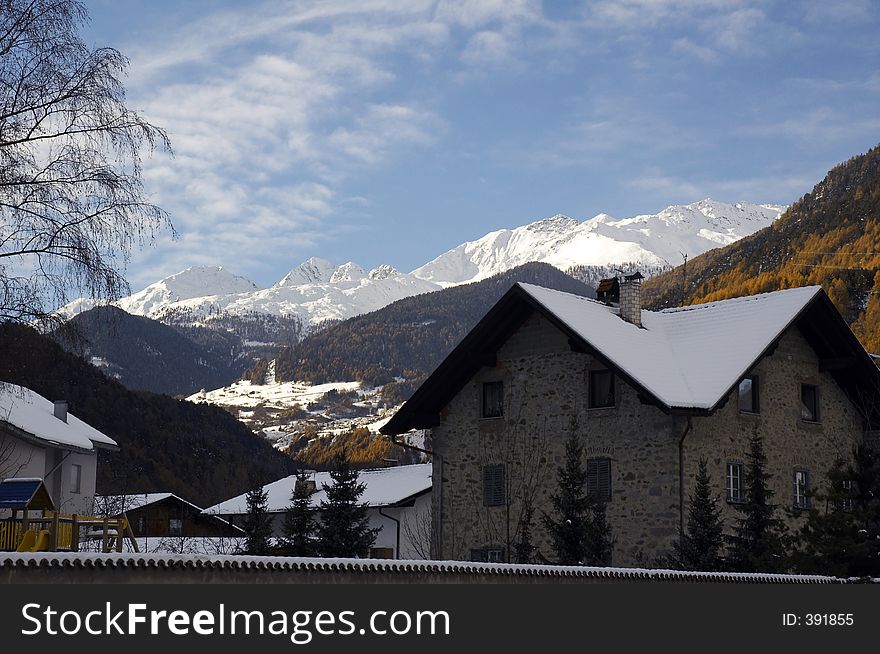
42, 439
399, 499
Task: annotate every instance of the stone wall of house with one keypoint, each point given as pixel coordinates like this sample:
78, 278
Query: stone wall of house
546, 388
546, 395
789, 442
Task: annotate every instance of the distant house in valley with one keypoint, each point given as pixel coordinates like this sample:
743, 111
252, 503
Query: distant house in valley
40, 439
650, 394
399, 500
162, 515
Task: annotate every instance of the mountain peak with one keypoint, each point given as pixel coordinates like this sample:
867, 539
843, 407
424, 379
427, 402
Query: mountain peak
383, 271
311, 271
348, 272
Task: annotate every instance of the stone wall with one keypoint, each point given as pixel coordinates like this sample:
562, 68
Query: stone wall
789, 442
546, 396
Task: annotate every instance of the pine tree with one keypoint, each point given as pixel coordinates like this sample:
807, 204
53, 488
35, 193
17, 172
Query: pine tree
699, 548
598, 541
257, 523
568, 523
299, 520
344, 528
523, 550
759, 541
842, 529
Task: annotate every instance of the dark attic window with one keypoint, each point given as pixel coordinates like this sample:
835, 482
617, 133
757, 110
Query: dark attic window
493, 400
748, 395
809, 403
601, 389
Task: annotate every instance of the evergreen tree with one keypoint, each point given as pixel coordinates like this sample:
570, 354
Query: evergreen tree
344, 528
257, 523
759, 541
598, 541
299, 520
523, 550
572, 506
842, 530
699, 548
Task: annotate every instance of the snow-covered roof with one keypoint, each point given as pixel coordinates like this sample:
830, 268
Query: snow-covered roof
135, 501
34, 414
384, 487
686, 357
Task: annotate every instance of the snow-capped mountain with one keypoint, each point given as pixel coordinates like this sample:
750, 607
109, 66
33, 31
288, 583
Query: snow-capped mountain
651, 240
316, 290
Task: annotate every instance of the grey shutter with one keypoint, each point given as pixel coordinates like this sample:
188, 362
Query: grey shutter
493, 485
599, 478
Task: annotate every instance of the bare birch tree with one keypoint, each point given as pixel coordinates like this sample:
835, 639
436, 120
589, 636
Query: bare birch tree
72, 203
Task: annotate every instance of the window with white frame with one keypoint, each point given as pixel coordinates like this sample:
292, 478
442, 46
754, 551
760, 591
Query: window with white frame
734, 484
801, 489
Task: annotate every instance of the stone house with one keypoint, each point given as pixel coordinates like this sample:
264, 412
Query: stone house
41, 439
650, 394
399, 501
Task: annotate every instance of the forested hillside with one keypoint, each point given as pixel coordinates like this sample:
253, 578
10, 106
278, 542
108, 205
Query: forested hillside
198, 451
831, 237
147, 355
407, 338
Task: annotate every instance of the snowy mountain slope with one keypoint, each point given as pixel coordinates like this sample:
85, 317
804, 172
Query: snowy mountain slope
316, 290
650, 239
349, 291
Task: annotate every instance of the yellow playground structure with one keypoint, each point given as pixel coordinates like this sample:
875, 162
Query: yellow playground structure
49, 530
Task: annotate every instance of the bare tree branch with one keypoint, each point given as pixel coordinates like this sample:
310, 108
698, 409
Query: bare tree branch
72, 203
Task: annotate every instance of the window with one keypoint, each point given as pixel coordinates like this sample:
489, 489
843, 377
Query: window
175, 527
735, 482
601, 389
809, 403
488, 554
75, 478
493, 400
848, 486
748, 395
801, 489
599, 479
381, 552
142, 525
493, 485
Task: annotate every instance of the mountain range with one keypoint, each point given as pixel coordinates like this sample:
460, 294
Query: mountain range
316, 291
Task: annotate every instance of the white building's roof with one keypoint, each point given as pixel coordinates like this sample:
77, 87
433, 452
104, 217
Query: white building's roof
34, 414
384, 487
687, 357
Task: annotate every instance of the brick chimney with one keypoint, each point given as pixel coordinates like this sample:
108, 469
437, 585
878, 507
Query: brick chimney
631, 298
60, 410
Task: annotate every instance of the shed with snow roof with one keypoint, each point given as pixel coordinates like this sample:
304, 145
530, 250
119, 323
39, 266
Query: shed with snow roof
160, 515
649, 394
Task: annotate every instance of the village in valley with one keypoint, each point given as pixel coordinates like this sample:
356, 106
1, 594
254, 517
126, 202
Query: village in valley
691, 394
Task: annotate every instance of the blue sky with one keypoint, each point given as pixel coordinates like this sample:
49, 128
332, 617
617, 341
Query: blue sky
388, 132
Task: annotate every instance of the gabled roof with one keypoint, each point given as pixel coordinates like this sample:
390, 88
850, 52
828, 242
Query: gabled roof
134, 501
384, 487
687, 359
25, 493
32, 416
